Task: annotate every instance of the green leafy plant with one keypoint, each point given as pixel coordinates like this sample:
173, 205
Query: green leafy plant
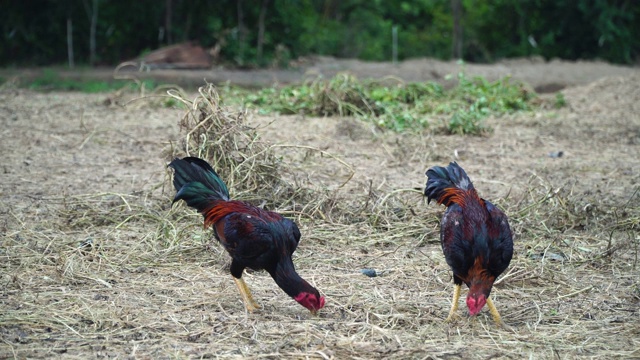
50, 80
560, 100
475, 99
398, 107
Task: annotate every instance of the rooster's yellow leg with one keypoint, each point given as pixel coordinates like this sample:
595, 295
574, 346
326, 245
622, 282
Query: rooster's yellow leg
454, 305
494, 313
249, 303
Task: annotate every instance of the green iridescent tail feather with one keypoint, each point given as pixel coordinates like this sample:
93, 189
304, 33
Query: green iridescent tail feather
197, 183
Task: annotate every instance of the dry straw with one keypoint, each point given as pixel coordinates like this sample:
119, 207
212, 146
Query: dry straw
126, 275
253, 169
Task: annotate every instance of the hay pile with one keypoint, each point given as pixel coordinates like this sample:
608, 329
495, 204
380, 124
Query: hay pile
269, 175
221, 136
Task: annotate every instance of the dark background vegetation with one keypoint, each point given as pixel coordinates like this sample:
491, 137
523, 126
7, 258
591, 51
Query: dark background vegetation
272, 32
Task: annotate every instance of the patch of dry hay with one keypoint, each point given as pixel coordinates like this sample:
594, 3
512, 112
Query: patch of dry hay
221, 136
256, 171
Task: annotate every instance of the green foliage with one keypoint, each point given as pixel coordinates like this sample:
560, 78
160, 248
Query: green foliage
568, 29
50, 80
399, 107
35, 32
342, 95
483, 98
171, 103
467, 122
560, 100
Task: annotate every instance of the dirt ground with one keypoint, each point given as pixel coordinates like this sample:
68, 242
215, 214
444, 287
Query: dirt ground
95, 263
544, 76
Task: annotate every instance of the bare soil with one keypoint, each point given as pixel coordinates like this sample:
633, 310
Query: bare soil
543, 76
95, 262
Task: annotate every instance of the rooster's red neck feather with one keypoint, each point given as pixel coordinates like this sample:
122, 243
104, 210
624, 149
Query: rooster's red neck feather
459, 196
220, 208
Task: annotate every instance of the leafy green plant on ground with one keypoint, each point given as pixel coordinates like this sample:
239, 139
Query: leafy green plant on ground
475, 99
560, 100
399, 107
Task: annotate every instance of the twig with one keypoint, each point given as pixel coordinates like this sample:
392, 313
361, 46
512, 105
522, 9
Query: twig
575, 292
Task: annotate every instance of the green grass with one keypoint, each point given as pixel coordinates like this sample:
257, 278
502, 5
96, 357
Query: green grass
399, 107
560, 100
50, 80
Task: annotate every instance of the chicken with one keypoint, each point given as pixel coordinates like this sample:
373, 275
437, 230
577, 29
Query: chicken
255, 238
475, 237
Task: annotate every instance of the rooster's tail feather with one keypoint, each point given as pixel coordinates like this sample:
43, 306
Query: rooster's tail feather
447, 185
197, 183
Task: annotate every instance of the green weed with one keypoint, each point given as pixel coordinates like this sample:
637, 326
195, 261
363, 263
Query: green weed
50, 80
399, 107
475, 99
560, 100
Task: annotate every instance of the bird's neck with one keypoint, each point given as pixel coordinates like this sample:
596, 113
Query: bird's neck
288, 279
480, 286
478, 278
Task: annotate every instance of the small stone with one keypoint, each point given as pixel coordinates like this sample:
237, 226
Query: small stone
369, 272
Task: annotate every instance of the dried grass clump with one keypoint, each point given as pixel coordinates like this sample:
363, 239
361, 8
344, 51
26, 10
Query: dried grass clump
277, 175
221, 136
252, 168
343, 95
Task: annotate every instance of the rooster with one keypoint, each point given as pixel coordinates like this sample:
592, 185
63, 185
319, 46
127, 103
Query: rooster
475, 237
255, 238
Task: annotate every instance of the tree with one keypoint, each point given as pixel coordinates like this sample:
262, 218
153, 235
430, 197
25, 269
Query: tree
167, 21
260, 46
456, 10
92, 13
